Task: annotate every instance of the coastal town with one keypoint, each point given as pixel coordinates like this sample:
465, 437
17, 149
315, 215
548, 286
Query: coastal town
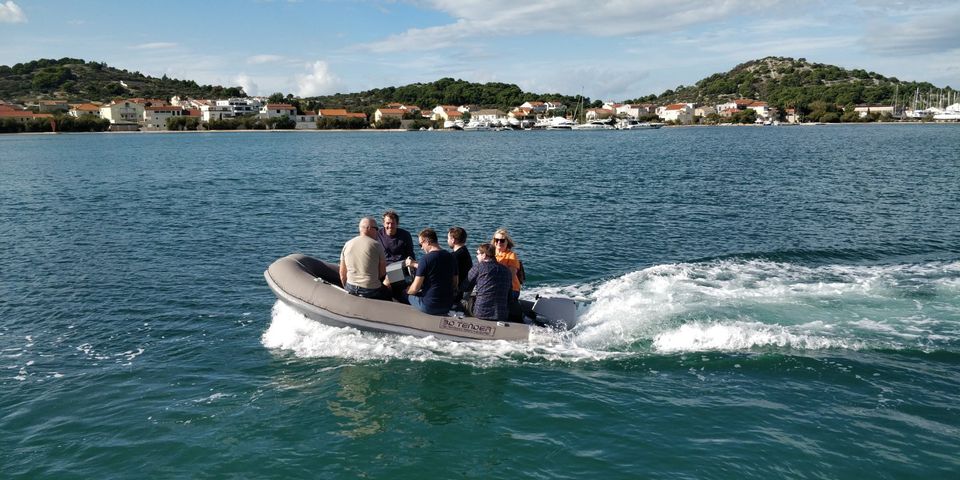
146, 114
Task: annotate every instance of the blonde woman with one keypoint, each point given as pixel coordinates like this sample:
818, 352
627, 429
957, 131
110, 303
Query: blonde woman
505, 256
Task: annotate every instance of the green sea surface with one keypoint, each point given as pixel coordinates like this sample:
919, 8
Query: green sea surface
770, 302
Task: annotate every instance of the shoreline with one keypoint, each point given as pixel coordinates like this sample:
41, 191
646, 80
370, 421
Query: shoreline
398, 130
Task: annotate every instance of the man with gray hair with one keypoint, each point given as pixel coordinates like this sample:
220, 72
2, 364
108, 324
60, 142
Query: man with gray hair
363, 263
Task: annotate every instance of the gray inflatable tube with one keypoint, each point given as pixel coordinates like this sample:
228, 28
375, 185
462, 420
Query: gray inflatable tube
312, 287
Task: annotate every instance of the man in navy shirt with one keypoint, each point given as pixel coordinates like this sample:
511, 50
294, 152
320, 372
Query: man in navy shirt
398, 245
436, 279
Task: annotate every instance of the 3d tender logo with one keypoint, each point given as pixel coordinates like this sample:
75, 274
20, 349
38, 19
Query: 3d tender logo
470, 327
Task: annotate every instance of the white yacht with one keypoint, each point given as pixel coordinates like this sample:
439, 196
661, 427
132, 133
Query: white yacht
560, 123
593, 125
477, 127
635, 125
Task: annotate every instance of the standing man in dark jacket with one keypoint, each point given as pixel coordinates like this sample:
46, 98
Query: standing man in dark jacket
398, 246
457, 241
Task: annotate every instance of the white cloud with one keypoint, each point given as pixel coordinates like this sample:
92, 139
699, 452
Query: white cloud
258, 59
922, 34
154, 46
249, 86
318, 82
11, 13
603, 18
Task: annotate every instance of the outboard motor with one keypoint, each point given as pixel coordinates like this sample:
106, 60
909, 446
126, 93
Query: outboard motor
558, 312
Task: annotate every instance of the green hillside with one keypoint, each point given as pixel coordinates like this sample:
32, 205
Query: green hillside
782, 82
76, 80
787, 82
445, 91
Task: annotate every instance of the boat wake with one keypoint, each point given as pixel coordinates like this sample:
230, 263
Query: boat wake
727, 305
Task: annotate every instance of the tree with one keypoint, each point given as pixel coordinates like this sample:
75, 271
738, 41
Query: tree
387, 123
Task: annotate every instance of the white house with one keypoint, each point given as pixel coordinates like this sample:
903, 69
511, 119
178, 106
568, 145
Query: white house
446, 113
704, 110
215, 112
762, 109
635, 110
676, 112
535, 107
865, 110
382, 113
555, 107
85, 109
307, 121
275, 110
492, 116
123, 111
598, 114
155, 118
241, 106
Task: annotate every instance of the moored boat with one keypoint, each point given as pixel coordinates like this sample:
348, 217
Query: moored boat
312, 287
593, 125
635, 125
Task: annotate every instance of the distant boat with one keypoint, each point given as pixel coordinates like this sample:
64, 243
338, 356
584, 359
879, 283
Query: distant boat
477, 127
947, 116
593, 125
635, 125
560, 123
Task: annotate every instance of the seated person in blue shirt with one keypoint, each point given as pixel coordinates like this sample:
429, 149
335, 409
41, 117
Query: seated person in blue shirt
433, 284
491, 283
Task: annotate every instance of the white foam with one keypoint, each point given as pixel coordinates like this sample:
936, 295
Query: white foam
739, 336
709, 306
727, 305
291, 331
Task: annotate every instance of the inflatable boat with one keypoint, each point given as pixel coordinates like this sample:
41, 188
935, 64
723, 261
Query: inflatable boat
312, 287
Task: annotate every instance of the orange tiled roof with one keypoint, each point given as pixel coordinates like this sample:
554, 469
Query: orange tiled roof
279, 106
86, 107
23, 114
333, 112
391, 111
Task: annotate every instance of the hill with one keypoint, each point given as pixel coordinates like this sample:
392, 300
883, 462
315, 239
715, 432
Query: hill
446, 91
75, 80
780, 81
787, 82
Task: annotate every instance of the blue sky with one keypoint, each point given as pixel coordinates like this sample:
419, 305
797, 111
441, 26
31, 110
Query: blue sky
606, 49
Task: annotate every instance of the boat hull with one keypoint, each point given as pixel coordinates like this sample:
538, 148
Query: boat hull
312, 288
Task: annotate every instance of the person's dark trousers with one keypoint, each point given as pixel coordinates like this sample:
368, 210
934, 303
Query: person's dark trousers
513, 307
381, 293
398, 291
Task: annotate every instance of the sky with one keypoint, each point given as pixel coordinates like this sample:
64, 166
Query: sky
603, 49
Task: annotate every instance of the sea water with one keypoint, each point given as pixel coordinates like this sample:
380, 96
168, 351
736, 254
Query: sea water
770, 302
